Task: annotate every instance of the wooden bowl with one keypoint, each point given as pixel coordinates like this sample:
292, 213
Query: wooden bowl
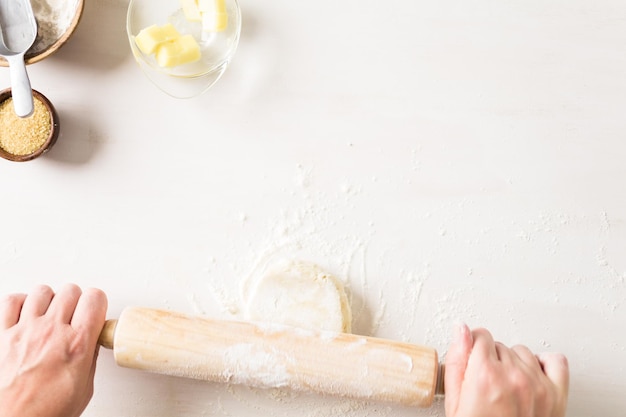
31, 57
54, 131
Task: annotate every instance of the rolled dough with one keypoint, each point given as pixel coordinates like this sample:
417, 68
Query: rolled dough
300, 294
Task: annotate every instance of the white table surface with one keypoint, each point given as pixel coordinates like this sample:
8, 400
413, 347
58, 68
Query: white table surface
450, 161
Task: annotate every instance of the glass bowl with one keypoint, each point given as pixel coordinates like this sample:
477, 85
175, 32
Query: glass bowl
216, 48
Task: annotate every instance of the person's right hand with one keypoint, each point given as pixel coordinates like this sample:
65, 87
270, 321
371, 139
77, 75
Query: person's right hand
487, 379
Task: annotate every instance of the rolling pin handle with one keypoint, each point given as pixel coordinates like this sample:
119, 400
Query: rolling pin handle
107, 334
439, 386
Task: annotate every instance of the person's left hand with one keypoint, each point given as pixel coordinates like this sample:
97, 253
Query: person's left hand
48, 350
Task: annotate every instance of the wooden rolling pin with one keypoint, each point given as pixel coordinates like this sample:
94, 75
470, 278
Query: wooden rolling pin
273, 356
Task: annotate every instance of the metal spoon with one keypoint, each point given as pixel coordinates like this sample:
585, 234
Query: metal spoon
18, 31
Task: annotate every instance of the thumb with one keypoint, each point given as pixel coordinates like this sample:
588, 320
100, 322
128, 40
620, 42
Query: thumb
455, 365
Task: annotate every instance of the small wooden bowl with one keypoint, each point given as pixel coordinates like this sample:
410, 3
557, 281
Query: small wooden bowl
54, 130
32, 57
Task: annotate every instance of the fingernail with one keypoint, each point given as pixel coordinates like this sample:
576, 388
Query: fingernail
460, 329
463, 336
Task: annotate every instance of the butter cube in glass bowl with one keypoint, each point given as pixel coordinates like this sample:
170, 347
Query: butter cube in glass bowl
183, 46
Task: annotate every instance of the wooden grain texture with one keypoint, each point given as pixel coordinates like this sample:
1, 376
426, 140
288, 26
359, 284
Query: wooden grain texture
273, 356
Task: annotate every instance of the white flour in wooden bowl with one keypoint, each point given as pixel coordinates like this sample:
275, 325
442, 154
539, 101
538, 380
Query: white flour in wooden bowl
53, 17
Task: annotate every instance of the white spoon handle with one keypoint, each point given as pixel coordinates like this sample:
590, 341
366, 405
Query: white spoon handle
20, 86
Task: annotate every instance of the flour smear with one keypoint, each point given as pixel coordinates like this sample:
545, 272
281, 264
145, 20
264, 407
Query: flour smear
319, 227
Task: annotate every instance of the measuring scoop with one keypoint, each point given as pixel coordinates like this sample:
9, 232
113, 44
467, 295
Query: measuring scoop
18, 31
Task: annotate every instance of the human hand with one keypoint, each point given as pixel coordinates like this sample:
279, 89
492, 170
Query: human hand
48, 350
487, 379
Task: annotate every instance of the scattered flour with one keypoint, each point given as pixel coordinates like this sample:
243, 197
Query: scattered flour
319, 228
250, 365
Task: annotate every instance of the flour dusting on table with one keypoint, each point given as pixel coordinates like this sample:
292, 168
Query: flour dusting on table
310, 231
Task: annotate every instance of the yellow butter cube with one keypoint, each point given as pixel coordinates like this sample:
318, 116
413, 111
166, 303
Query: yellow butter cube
214, 22
151, 37
214, 6
191, 10
183, 50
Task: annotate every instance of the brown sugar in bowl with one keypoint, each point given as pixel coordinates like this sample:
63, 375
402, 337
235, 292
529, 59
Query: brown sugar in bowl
33, 55
46, 116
